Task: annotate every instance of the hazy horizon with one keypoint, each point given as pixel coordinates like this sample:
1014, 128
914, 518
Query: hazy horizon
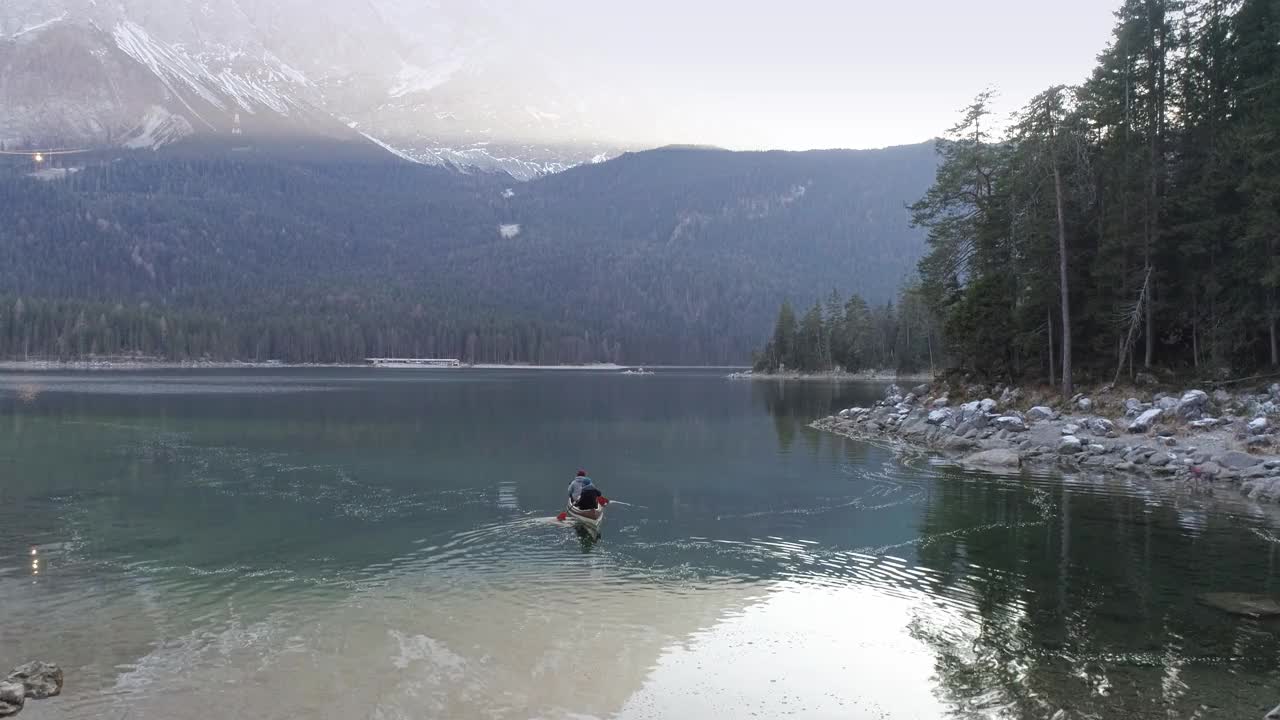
819, 75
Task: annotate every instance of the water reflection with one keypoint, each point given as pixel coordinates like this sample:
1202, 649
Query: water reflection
387, 548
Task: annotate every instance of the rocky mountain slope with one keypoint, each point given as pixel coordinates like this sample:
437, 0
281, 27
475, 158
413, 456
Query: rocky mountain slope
439, 82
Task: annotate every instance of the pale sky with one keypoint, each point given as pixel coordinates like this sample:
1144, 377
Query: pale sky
799, 74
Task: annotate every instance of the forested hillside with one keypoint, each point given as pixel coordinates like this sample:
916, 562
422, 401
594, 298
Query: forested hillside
1130, 222
329, 255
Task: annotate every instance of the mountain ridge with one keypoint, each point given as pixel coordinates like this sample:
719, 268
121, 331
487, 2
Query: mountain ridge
324, 251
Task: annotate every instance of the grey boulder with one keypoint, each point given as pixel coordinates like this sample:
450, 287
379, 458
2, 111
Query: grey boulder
1258, 426
12, 697
40, 679
1012, 423
1143, 422
1236, 460
1192, 404
998, 457
1041, 412
1098, 425
1133, 406
937, 417
1070, 445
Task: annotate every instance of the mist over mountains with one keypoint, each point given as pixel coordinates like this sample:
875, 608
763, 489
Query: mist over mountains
440, 82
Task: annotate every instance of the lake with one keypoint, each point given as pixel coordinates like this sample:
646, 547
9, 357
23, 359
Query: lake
381, 544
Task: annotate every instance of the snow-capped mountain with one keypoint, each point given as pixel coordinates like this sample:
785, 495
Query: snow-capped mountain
439, 82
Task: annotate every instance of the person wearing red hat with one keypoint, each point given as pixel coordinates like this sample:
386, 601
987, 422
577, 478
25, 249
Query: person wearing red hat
575, 488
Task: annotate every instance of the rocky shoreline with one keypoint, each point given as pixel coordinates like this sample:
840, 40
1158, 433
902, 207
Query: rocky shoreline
1202, 439
31, 681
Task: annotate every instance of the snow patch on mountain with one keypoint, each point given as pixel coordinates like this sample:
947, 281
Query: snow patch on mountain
180, 71
39, 26
158, 128
414, 79
388, 148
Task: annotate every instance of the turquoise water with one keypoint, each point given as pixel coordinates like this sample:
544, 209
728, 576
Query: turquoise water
382, 544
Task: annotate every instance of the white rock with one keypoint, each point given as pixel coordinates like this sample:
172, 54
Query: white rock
1098, 425
1070, 429
987, 405
1012, 423
1144, 421
1085, 404
1205, 423
1070, 445
937, 417
1258, 426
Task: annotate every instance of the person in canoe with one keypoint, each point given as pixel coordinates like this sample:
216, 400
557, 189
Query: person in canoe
584, 495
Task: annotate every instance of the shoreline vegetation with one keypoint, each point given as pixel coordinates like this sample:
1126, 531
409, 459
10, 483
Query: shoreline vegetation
1224, 440
148, 364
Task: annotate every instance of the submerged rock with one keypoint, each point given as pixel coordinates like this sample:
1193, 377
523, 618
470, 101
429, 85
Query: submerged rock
997, 457
40, 679
12, 697
1236, 460
1143, 422
956, 443
1247, 604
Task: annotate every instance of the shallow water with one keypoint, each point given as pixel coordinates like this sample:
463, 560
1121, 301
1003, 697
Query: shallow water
381, 544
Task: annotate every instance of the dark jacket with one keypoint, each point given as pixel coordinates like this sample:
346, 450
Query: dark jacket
589, 499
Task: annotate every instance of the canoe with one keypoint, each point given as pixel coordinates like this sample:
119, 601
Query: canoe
589, 519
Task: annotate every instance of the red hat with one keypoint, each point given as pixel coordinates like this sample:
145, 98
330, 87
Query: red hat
582, 473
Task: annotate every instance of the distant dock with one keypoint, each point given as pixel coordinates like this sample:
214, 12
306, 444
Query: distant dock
414, 362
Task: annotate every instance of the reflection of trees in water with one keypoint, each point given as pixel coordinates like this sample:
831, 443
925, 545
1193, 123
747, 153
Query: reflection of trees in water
795, 404
1092, 611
